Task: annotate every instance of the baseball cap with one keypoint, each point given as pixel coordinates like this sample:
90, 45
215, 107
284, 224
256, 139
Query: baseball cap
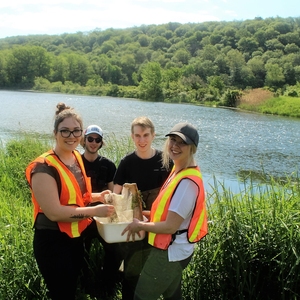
187, 132
93, 129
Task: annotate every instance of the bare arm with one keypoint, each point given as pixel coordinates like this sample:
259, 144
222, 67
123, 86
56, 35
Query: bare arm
99, 197
169, 226
117, 189
46, 193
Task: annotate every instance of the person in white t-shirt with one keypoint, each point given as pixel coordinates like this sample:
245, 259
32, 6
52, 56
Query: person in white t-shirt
175, 218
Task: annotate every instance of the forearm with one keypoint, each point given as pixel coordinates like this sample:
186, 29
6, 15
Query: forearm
169, 226
69, 213
74, 214
159, 227
100, 197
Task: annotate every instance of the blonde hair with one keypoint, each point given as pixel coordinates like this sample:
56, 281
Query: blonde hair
144, 122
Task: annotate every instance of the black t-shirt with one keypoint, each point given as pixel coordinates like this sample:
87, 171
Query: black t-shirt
148, 174
101, 171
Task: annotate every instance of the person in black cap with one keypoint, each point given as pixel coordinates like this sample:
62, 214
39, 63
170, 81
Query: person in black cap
178, 219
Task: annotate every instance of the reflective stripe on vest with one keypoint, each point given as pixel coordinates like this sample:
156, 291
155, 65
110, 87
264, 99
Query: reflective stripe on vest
70, 190
198, 225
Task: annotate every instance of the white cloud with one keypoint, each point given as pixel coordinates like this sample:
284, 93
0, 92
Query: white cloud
20, 17
117, 14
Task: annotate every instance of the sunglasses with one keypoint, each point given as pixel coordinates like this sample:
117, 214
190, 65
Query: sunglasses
97, 140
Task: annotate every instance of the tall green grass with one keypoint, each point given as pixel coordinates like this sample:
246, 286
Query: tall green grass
251, 251
253, 246
282, 106
19, 275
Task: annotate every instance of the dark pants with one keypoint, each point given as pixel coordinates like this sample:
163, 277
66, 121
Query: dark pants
160, 277
60, 259
111, 262
135, 256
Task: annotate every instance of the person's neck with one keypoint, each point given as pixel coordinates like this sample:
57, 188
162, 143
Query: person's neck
90, 156
180, 165
147, 154
67, 157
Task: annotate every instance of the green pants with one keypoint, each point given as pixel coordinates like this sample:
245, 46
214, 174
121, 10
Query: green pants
160, 277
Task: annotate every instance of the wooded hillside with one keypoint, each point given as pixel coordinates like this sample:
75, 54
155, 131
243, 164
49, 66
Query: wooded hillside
169, 62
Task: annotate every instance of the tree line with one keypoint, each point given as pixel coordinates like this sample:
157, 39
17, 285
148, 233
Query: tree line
193, 62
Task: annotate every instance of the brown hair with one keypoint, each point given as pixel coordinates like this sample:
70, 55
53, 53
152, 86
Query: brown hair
62, 112
144, 122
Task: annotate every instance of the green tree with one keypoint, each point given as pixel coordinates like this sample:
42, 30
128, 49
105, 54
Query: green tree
27, 62
291, 48
257, 67
144, 40
160, 42
3, 73
59, 69
79, 69
108, 46
127, 62
274, 76
205, 69
247, 44
217, 83
151, 83
209, 52
181, 56
236, 62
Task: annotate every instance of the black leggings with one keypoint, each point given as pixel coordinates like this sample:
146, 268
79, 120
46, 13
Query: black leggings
60, 259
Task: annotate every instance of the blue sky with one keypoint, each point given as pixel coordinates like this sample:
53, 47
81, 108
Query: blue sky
23, 17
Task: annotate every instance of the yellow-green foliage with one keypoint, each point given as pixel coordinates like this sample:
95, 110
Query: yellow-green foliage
263, 101
282, 106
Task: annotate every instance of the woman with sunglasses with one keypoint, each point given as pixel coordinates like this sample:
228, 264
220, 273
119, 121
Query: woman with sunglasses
177, 219
61, 194
101, 170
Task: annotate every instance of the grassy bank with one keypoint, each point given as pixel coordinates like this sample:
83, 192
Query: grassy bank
263, 101
251, 251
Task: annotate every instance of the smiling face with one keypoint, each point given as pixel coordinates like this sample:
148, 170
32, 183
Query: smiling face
142, 138
93, 147
178, 149
67, 144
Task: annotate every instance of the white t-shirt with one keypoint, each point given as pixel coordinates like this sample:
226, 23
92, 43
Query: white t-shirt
183, 203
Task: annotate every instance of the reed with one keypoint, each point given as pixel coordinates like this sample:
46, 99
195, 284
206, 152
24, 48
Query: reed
19, 275
251, 251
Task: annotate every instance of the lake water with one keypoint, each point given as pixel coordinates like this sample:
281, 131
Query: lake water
231, 141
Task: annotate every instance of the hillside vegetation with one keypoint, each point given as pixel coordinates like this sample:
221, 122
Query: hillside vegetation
210, 63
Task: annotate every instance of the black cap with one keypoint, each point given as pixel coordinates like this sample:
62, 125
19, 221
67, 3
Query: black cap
187, 132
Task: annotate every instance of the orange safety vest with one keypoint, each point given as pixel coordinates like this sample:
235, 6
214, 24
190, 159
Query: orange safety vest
70, 190
198, 225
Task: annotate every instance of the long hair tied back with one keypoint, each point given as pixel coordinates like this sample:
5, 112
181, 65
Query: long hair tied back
61, 107
62, 112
